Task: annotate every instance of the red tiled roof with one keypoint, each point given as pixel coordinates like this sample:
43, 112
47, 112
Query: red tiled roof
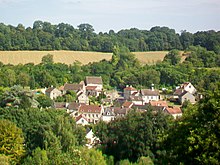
130, 89
127, 104
158, 103
90, 109
174, 110
93, 80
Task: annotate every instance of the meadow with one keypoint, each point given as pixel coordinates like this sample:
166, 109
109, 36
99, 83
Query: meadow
68, 57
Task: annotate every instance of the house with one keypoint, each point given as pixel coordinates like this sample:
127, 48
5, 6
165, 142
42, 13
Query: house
174, 111
92, 112
92, 140
83, 98
187, 96
120, 111
108, 115
158, 103
128, 91
77, 88
136, 100
73, 107
187, 86
60, 105
127, 104
94, 82
149, 95
92, 91
53, 92
81, 120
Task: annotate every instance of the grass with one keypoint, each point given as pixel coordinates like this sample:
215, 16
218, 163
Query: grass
68, 57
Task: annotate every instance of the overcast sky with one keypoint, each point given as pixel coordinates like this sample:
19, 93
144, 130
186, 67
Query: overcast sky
104, 15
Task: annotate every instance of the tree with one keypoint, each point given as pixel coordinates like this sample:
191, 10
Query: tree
173, 57
23, 79
11, 140
195, 138
121, 139
44, 101
47, 59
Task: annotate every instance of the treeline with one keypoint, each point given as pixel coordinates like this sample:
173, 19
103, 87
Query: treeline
200, 68
45, 36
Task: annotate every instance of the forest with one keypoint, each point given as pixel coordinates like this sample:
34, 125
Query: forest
45, 36
31, 135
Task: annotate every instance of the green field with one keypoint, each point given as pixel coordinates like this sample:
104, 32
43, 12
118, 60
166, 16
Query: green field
68, 57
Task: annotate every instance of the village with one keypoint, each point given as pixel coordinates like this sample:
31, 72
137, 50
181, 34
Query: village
117, 104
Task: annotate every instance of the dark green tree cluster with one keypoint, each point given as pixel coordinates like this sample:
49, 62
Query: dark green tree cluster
195, 138
132, 136
45, 36
47, 136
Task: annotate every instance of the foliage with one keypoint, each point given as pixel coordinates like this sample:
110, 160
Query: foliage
45, 36
173, 57
44, 101
11, 141
194, 139
120, 138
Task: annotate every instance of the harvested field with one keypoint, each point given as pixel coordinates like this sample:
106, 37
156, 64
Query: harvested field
68, 57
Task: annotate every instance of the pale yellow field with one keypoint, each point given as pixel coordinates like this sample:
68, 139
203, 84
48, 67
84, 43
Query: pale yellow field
150, 57
68, 57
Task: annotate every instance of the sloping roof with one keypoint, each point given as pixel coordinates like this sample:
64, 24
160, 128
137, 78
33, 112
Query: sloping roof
50, 89
129, 89
108, 112
60, 105
178, 92
149, 92
92, 88
81, 116
183, 86
127, 104
74, 87
93, 80
73, 106
120, 111
174, 110
159, 103
90, 109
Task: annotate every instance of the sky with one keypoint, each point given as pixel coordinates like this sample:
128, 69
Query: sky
105, 15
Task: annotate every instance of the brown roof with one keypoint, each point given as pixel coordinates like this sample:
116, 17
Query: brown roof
159, 103
60, 105
74, 87
149, 92
174, 110
119, 110
127, 104
130, 89
90, 109
79, 117
73, 106
50, 89
178, 92
91, 87
93, 80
